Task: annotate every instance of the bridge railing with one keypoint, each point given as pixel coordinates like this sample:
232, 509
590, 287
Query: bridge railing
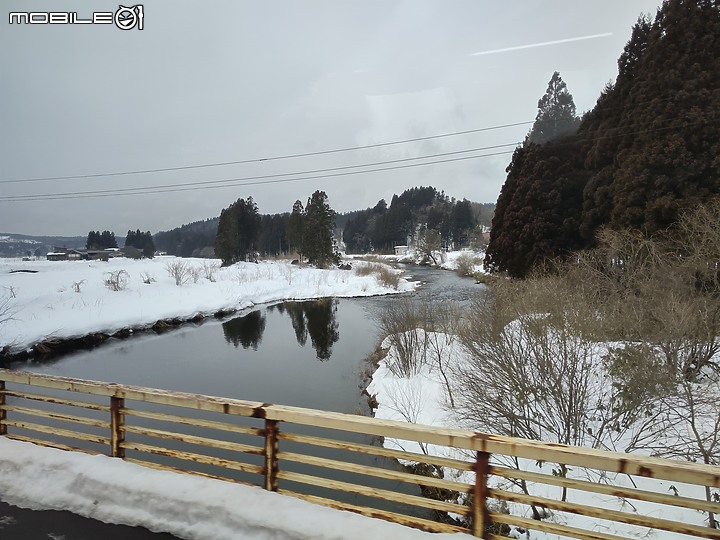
317, 456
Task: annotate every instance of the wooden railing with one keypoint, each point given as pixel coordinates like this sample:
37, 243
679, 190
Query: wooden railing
309, 454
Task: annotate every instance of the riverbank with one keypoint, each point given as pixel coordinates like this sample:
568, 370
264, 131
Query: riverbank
60, 305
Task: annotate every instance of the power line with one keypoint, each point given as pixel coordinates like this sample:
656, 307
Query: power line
193, 187
264, 179
257, 160
266, 176
289, 156
275, 178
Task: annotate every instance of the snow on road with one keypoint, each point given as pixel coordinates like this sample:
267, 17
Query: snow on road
189, 507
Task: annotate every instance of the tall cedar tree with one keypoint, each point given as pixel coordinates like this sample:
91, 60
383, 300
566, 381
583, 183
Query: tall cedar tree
556, 117
538, 212
295, 225
237, 232
656, 133
648, 150
318, 225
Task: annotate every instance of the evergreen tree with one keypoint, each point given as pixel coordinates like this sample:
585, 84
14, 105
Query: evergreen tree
295, 228
93, 240
462, 221
556, 117
319, 222
537, 216
148, 245
238, 230
656, 132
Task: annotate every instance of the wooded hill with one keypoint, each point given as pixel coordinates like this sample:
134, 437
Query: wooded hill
379, 228
649, 149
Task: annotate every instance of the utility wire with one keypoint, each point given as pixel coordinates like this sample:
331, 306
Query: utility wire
266, 179
266, 176
193, 187
257, 160
289, 156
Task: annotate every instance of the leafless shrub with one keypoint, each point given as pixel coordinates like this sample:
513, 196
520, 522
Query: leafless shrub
365, 269
195, 273
7, 309
147, 278
388, 277
179, 271
465, 264
77, 285
12, 292
385, 275
117, 280
209, 270
404, 322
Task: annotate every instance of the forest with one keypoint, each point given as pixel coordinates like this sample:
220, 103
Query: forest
376, 229
646, 152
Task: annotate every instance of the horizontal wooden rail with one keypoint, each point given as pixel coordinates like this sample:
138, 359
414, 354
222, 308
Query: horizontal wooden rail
461, 487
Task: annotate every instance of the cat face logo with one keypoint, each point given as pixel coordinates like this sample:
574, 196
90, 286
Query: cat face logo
126, 18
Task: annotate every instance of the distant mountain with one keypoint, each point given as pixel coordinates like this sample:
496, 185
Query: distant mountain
23, 245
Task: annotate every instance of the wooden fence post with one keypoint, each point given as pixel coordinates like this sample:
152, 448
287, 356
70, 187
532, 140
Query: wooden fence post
3, 413
480, 515
117, 422
271, 451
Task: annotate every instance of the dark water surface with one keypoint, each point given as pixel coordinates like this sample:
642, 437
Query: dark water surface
307, 354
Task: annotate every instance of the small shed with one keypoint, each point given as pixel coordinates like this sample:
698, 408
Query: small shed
401, 250
57, 256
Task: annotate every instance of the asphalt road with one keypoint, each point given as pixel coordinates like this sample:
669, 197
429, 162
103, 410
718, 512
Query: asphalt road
21, 524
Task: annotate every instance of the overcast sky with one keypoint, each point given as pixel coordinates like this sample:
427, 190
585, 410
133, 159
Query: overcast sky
212, 82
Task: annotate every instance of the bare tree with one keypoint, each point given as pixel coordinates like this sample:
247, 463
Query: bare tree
117, 280
7, 309
403, 323
179, 271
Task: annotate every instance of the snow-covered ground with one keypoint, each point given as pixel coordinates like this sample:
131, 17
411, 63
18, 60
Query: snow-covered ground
68, 299
189, 507
423, 398
447, 260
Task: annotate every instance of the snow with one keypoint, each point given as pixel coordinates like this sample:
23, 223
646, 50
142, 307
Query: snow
189, 507
423, 398
68, 299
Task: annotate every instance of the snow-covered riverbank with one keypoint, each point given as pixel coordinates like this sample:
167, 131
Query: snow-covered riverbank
423, 397
69, 299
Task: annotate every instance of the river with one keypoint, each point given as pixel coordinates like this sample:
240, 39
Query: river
307, 354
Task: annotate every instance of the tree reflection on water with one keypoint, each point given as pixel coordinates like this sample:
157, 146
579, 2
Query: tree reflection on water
315, 319
246, 330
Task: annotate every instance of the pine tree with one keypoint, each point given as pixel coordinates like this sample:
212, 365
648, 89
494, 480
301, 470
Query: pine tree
318, 228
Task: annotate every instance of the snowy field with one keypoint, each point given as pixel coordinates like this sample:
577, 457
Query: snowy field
423, 398
189, 507
68, 299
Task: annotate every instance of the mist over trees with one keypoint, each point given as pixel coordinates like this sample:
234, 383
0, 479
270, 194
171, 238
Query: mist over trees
383, 227
196, 239
647, 150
